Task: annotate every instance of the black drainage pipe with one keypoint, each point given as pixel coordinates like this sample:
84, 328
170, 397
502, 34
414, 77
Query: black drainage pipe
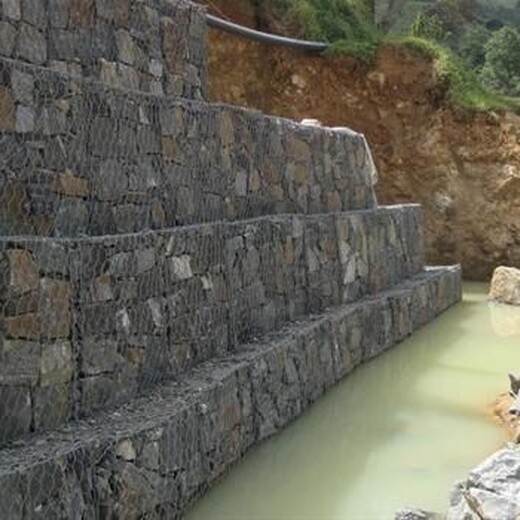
263, 37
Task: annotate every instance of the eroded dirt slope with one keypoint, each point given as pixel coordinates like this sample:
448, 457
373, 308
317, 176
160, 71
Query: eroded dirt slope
463, 167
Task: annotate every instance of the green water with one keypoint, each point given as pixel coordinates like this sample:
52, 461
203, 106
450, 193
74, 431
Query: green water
399, 431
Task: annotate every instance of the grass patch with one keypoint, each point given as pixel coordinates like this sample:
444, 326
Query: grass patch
364, 51
323, 20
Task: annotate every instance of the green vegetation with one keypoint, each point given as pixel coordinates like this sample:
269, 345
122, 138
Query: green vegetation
465, 89
326, 20
346, 24
475, 44
501, 68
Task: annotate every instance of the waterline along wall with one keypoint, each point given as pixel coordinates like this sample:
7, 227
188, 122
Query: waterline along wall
178, 279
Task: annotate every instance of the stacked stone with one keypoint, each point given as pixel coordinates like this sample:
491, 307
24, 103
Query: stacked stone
178, 280
153, 457
77, 157
154, 46
93, 322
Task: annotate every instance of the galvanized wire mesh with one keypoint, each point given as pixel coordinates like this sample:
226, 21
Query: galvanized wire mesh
144, 233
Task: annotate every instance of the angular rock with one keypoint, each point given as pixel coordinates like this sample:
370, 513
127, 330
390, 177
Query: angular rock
7, 38
181, 268
52, 406
22, 273
59, 12
7, 110
72, 217
15, 414
492, 489
68, 184
505, 285
111, 182
82, 12
32, 45
25, 119
56, 363
55, 301
12, 9
101, 289
34, 12
20, 362
117, 11
24, 326
125, 47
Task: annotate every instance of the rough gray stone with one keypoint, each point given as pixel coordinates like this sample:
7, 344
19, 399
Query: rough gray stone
100, 357
32, 45
34, 12
15, 412
111, 182
492, 489
181, 268
11, 497
72, 218
59, 13
56, 364
129, 77
52, 406
12, 9
23, 87
125, 47
7, 38
25, 119
20, 362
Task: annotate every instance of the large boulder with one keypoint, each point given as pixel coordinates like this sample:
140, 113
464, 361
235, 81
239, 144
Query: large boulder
505, 285
492, 490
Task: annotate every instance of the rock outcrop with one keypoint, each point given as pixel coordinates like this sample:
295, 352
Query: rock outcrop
492, 490
505, 285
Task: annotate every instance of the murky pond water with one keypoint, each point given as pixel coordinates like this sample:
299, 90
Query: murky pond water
399, 431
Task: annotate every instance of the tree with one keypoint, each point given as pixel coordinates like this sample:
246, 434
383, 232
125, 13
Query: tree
501, 70
472, 46
428, 27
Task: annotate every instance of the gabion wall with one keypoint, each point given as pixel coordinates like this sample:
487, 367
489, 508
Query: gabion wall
153, 46
90, 323
77, 158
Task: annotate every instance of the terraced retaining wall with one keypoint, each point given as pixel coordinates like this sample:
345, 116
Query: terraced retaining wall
152, 457
89, 323
178, 280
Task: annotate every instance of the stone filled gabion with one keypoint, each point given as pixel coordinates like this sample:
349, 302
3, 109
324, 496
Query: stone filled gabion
178, 279
80, 158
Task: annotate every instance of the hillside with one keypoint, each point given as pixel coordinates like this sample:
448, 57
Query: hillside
478, 40
463, 166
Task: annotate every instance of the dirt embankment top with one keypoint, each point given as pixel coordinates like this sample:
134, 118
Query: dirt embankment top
463, 167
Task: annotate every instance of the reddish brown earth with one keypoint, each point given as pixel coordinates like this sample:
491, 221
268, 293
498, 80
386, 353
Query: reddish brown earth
500, 412
462, 166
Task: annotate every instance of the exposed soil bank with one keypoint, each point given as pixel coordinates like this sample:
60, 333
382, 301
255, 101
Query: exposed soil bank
462, 166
